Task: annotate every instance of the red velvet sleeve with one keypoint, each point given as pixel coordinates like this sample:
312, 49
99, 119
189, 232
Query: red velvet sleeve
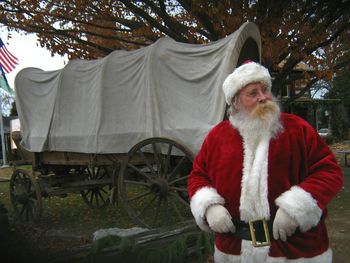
198, 177
324, 175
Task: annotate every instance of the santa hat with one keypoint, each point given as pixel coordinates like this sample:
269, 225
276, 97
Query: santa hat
247, 73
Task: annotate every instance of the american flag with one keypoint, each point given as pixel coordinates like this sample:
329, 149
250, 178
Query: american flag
7, 61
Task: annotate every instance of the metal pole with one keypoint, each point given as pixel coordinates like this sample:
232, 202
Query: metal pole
4, 161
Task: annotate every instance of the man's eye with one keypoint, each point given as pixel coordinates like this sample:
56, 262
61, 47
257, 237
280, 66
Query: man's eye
253, 94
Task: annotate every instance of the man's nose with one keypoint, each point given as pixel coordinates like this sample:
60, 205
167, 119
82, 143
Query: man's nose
262, 96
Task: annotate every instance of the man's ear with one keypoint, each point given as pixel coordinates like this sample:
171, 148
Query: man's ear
235, 103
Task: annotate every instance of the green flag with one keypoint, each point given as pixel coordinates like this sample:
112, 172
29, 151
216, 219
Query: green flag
3, 82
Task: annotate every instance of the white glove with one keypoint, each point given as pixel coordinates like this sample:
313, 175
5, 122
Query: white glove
219, 219
283, 225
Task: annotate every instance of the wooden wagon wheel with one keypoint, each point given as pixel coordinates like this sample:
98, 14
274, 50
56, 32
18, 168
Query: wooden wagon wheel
97, 196
25, 196
152, 182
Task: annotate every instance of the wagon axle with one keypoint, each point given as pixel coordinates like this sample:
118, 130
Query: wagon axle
160, 187
23, 199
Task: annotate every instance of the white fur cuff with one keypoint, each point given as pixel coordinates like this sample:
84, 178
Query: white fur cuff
200, 201
301, 206
257, 255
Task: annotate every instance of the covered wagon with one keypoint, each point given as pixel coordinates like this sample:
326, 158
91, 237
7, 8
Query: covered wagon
126, 126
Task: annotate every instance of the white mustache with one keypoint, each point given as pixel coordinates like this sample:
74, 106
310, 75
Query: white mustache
264, 110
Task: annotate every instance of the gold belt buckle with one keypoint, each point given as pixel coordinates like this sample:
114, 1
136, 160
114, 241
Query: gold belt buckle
256, 243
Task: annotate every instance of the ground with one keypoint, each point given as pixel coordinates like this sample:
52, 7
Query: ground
67, 223
338, 221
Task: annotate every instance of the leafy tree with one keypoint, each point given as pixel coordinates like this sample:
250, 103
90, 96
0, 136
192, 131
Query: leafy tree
13, 111
315, 32
340, 112
6, 102
341, 89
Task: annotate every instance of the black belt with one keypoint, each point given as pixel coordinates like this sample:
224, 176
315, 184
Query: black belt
258, 231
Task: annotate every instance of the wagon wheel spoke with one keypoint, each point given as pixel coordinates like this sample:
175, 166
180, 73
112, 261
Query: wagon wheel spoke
90, 195
179, 189
28, 186
183, 178
94, 198
177, 211
139, 171
147, 206
97, 173
139, 196
23, 210
153, 172
30, 212
164, 162
167, 160
102, 197
90, 173
157, 212
156, 158
102, 191
177, 167
136, 183
143, 157
98, 195
182, 201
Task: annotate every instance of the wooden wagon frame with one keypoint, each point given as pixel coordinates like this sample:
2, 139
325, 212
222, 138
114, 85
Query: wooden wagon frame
102, 179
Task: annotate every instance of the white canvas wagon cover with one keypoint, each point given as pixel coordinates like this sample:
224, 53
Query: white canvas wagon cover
168, 89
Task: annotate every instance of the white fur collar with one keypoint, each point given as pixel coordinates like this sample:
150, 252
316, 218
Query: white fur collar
253, 203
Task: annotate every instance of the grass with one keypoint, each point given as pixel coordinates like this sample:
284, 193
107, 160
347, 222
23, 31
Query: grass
338, 222
65, 222
72, 212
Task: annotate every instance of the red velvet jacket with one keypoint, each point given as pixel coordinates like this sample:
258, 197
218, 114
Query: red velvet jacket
303, 177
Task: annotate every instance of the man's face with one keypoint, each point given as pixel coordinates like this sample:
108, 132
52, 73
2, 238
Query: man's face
254, 111
253, 95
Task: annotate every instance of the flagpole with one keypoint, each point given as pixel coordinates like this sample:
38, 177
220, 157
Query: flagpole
4, 161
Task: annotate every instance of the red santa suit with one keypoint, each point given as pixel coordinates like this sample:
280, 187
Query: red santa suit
294, 170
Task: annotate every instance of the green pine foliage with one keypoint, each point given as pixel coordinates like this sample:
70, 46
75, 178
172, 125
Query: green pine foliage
190, 245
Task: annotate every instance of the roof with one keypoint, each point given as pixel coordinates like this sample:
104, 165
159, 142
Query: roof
301, 66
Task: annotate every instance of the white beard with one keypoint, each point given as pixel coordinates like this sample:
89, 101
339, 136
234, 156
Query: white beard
253, 128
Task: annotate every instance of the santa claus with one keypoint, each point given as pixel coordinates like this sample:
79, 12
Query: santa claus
262, 179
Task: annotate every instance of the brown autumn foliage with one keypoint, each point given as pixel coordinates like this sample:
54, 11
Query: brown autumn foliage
314, 32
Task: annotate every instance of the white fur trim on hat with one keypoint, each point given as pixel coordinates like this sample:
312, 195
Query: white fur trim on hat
245, 74
200, 201
301, 206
